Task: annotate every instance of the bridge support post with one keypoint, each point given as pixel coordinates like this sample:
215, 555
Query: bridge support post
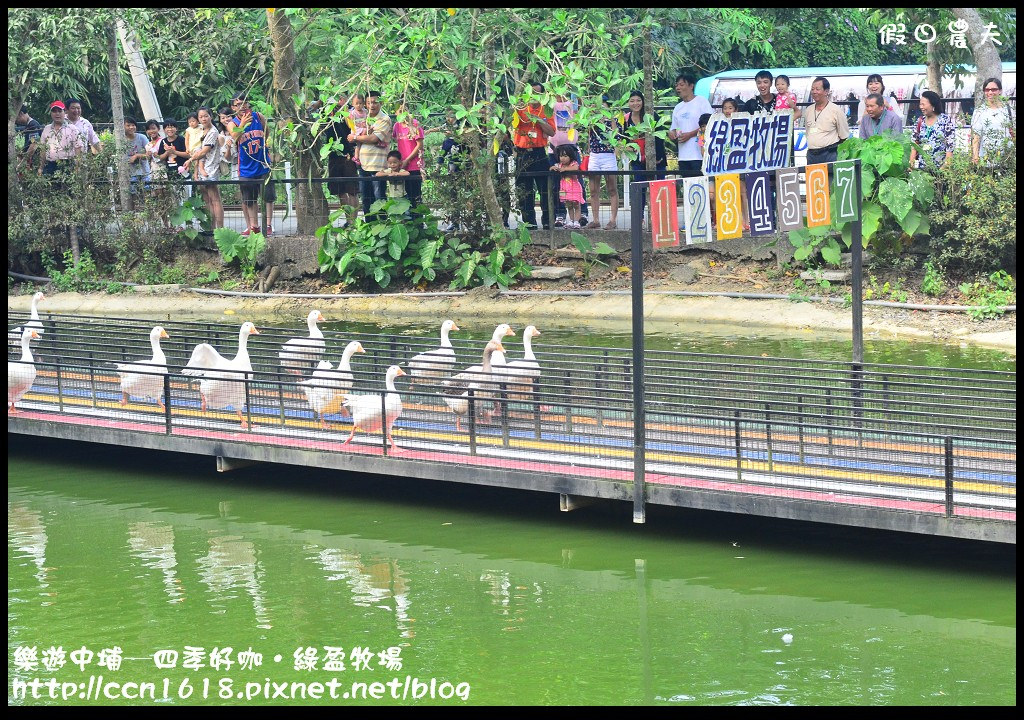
568, 503
226, 464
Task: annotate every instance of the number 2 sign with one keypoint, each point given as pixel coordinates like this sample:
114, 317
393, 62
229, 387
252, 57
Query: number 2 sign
664, 220
696, 211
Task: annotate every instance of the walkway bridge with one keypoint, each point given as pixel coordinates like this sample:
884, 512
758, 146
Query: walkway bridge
911, 449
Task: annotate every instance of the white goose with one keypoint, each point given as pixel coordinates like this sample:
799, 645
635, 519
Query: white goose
476, 378
34, 323
300, 354
366, 409
503, 330
222, 385
145, 378
436, 363
22, 373
526, 370
325, 391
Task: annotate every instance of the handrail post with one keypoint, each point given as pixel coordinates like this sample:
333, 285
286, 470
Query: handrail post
504, 414
383, 420
60, 389
471, 418
739, 448
636, 262
248, 401
167, 403
92, 378
949, 475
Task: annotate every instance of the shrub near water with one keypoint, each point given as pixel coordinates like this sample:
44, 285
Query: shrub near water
391, 244
974, 219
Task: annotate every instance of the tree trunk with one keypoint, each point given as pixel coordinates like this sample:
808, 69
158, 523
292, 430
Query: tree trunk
484, 161
986, 56
117, 105
934, 68
650, 149
311, 212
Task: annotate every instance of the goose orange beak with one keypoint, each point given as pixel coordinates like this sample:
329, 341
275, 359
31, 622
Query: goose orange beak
511, 332
501, 348
400, 372
164, 335
359, 348
320, 317
34, 335
454, 326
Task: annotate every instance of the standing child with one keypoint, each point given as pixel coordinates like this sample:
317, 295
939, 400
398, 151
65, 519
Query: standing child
193, 139
409, 137
570, 192
396, 175
358, 115
785, 100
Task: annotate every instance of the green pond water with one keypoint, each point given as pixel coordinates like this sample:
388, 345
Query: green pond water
726, 340
492, 595
494, 592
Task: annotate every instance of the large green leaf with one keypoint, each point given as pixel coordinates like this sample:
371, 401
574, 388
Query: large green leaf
896, 196
912, 222
923, 187
830, 252
867, 183
871, 217
228, 241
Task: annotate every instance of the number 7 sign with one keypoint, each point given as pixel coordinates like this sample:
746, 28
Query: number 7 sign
664, 220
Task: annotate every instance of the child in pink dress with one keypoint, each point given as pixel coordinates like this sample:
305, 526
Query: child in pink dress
358, 115
570, 192
785, 100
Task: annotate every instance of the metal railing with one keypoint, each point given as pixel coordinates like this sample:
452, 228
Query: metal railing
901, 438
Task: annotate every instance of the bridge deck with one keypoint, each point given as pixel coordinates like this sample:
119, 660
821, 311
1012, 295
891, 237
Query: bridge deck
918, 450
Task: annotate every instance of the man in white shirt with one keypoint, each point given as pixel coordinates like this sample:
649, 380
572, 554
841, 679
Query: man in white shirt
685, 122
75, 119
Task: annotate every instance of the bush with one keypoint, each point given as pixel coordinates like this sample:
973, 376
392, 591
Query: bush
895, 201
392, 245
974, 219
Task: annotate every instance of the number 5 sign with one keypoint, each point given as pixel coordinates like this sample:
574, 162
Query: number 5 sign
664, 220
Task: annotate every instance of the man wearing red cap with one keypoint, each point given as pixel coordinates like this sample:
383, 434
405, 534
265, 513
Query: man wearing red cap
60, 141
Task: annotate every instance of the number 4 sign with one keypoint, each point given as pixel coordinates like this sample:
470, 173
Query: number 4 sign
664, 220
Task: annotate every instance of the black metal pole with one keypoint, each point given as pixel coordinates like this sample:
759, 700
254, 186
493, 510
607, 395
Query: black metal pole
857, 267
639, 418
471, 418
167, 402
739, 447
383, 419
856, 281
949, 476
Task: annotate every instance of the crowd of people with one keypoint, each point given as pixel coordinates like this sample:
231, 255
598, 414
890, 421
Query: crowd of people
378, 157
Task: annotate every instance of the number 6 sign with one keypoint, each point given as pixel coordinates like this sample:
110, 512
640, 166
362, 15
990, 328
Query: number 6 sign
818, 210
664, 220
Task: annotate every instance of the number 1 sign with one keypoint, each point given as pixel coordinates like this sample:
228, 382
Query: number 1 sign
664, 220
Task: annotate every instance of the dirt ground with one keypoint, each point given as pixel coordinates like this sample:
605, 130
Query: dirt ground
609, 308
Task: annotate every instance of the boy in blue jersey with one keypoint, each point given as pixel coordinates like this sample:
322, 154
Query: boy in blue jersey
249, 133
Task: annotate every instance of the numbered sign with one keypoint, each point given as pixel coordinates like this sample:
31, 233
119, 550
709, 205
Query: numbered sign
787, 195
818, 210
760, 207
730, 209
696, 210
664, 220
846, 192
